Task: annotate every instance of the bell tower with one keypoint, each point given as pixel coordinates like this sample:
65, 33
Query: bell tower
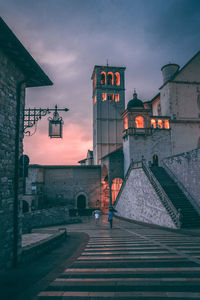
108, 105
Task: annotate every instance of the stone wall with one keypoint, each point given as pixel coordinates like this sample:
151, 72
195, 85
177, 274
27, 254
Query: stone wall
138, 201
45, 217
186, 169
10, 76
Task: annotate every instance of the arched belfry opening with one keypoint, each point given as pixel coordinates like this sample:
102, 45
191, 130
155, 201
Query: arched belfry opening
155, 160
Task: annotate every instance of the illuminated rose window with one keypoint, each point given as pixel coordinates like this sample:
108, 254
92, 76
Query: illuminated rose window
166, 124
139, 121
117, 79
153, 123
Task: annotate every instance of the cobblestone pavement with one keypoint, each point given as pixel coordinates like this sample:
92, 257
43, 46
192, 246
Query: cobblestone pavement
131, 261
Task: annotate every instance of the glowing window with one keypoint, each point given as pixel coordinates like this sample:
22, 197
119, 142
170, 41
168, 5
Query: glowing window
160, 124
104, 96
117, 78
116, 97
153, 123
116, 185
95, 99
103, 78
110, 97
139, 121
110, 78
126, 123
166, 124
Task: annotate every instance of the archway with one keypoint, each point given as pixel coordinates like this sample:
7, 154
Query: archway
81, 202
105, 188
25, 206
116, 185
155, 160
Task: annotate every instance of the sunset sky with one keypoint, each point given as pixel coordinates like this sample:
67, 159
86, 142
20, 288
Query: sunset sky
68, 37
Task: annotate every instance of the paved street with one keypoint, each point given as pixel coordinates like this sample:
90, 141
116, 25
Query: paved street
130, 261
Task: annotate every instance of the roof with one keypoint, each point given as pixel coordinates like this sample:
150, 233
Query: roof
13, 48
135, 102
179, 71
153, 99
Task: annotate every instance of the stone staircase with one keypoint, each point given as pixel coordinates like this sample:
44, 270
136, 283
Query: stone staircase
131, 263
189, 216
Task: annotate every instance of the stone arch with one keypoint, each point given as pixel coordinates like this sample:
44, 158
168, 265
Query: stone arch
115, 187
139, 122
81, 200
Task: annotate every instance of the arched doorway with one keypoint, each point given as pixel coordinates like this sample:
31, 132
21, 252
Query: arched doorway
81, 202
116, 185
155, 160
25, 206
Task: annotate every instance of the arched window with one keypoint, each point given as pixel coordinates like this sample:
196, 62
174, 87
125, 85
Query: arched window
104, 96
166, 124
110, 78
116, 185
125, 123
160, 124
117, 79
103, 78
153, 123
139, 121
116, 97
95, 99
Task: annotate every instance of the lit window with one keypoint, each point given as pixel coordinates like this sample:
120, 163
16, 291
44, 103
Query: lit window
103, 78
104, 96
110, 78
125, 123
117, 79
95, 99
166, 124
139, 121
116, 185
110, 97
153, 123
160, 124
116, 97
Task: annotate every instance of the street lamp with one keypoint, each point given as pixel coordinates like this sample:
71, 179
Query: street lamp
55, 125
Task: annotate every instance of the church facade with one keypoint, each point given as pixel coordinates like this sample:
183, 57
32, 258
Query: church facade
139, 136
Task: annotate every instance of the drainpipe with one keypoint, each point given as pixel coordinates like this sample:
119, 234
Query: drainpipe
16, 176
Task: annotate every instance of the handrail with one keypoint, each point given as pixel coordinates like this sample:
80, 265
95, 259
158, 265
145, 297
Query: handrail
182, 187
174, 213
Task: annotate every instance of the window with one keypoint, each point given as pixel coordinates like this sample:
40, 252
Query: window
153, 123
139, 121
116, 97
166, 124
110, 78
116, 185
110, 97
125, 123
117, 79
103, 78
95, 99
104, 96
160, 124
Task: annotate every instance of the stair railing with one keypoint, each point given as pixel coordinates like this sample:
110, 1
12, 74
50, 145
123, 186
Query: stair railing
175, 214
182, 187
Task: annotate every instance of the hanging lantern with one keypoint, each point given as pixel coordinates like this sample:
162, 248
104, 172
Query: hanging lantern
55, 125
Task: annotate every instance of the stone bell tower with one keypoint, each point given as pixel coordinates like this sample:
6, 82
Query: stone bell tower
108, 105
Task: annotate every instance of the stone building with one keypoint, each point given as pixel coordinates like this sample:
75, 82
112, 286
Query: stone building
135, 147
18, 70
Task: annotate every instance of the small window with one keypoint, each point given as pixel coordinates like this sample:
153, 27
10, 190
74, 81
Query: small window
166, 124
104, 96
110, 78
110, 97
125, 123
153, 123
117, 79
116, 97
139, 121
103, 78
95, 99
160, 124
